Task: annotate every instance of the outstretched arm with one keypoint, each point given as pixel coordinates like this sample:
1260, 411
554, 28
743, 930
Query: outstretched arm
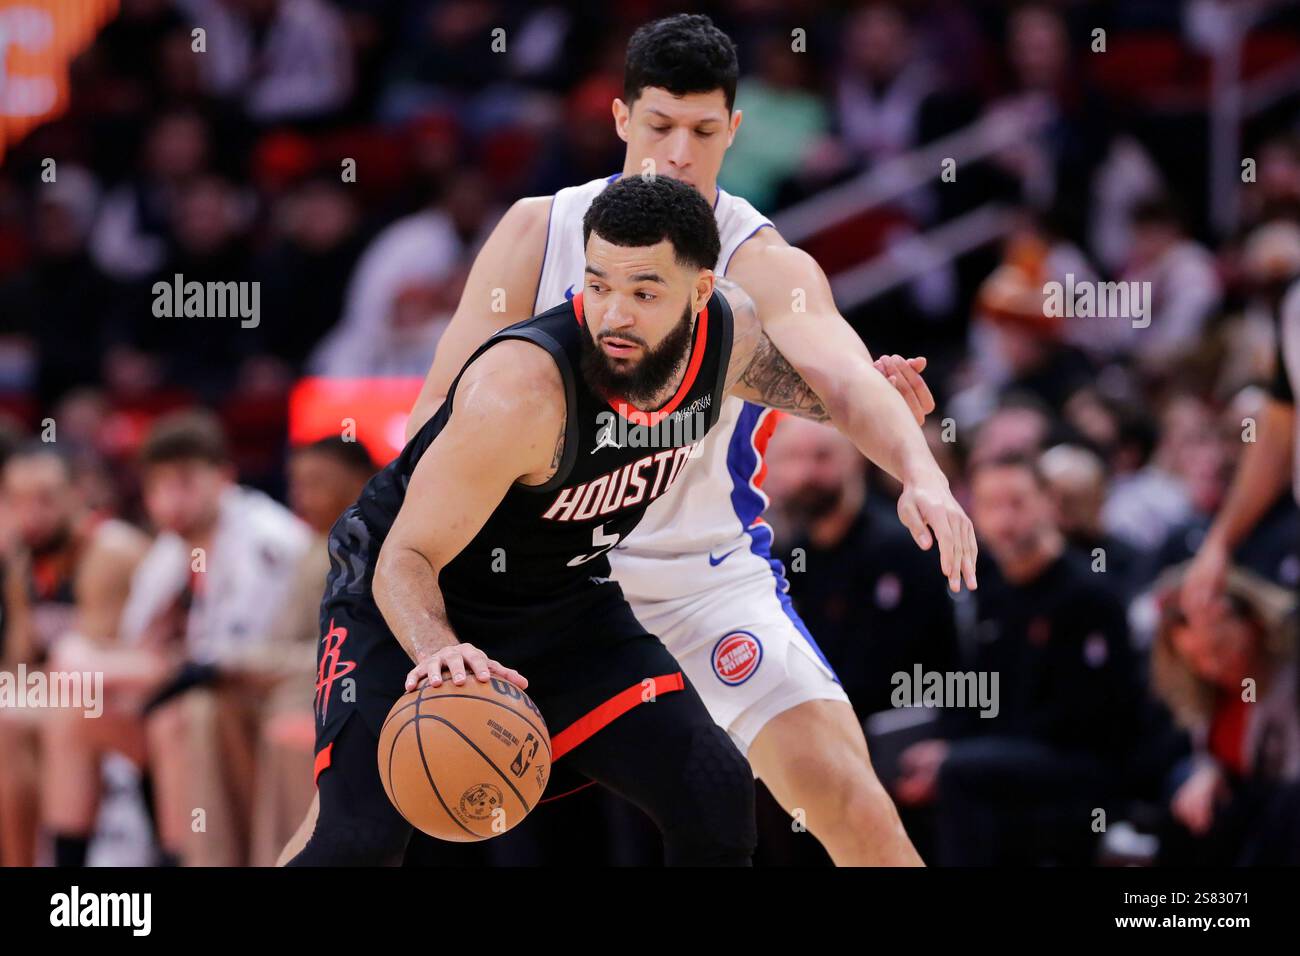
858, 401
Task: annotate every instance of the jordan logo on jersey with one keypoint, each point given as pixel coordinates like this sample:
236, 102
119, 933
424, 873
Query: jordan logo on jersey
606, 439
642, 480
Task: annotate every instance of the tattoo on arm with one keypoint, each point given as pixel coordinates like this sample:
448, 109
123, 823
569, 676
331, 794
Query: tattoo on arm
559, 447
779, 385
766, 371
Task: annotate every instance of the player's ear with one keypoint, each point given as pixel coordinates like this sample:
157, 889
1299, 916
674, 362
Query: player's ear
703, 290
622, 116
736, 117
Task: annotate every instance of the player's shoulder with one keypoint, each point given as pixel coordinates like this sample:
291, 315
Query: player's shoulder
571, 202
764, 251
736, 214
514, 376
526, 216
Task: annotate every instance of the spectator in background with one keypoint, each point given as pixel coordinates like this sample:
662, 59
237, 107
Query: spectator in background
1204, 446
1148, 497
1184, 283
65, 585
1021, 425
406, 286
883, 85
1055, 169
210, 220
131, 236
1017, 343
1076, 480
877, 604
783, 122
1276, 193
1233, 685
187, 686
325, 477
590, 149
52, 307
278, 60
316, 241
1020, 785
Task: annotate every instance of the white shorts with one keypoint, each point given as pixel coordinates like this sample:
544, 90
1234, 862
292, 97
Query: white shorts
745, 650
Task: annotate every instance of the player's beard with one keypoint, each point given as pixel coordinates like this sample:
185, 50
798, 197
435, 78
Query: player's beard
646, 379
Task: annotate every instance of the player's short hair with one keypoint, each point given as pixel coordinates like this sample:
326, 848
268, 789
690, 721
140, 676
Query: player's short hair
646, 210
189, 435
352, 455
682, 54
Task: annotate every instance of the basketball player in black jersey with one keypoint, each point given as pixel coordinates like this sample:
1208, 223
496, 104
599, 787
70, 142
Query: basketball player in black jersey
481, 550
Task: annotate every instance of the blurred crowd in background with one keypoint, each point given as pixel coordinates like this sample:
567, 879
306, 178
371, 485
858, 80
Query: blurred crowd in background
1092, 455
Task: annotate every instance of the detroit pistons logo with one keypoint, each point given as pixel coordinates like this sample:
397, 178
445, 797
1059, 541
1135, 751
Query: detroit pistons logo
736, 657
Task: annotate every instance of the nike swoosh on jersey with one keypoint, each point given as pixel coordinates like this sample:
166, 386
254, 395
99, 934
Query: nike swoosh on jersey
568, 293
714, 562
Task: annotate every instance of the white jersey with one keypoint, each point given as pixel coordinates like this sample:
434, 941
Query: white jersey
698, 570
718, 502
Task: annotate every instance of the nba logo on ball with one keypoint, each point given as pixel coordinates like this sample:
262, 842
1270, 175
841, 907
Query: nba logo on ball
736, 657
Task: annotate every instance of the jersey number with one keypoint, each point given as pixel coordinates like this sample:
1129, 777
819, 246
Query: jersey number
600, 540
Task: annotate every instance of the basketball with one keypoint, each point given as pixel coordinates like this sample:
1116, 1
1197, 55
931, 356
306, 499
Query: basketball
465, 763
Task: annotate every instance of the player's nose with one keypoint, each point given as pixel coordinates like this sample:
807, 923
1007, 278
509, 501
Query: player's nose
617, 318
679, 150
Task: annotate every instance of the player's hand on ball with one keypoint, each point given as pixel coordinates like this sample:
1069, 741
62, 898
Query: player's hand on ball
927, 505
905, 376
458, 660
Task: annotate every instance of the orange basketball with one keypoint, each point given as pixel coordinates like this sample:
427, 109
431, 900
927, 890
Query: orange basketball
465, 763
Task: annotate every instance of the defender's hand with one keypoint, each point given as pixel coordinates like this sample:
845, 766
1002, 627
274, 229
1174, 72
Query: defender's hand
928, 502
905, 376
456, 659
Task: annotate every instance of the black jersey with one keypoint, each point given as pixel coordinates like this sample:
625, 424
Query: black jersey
544, 543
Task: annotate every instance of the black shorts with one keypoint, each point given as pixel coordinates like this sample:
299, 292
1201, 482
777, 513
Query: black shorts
618, 709
588, 662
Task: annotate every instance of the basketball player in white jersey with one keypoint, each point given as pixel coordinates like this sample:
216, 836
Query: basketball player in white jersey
698, 571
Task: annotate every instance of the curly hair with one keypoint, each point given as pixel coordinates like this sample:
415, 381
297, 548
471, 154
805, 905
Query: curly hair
682, 54
646, 210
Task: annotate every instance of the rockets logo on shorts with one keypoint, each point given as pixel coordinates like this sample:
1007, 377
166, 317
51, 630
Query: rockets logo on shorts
331, 658
736, 657
644, 479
